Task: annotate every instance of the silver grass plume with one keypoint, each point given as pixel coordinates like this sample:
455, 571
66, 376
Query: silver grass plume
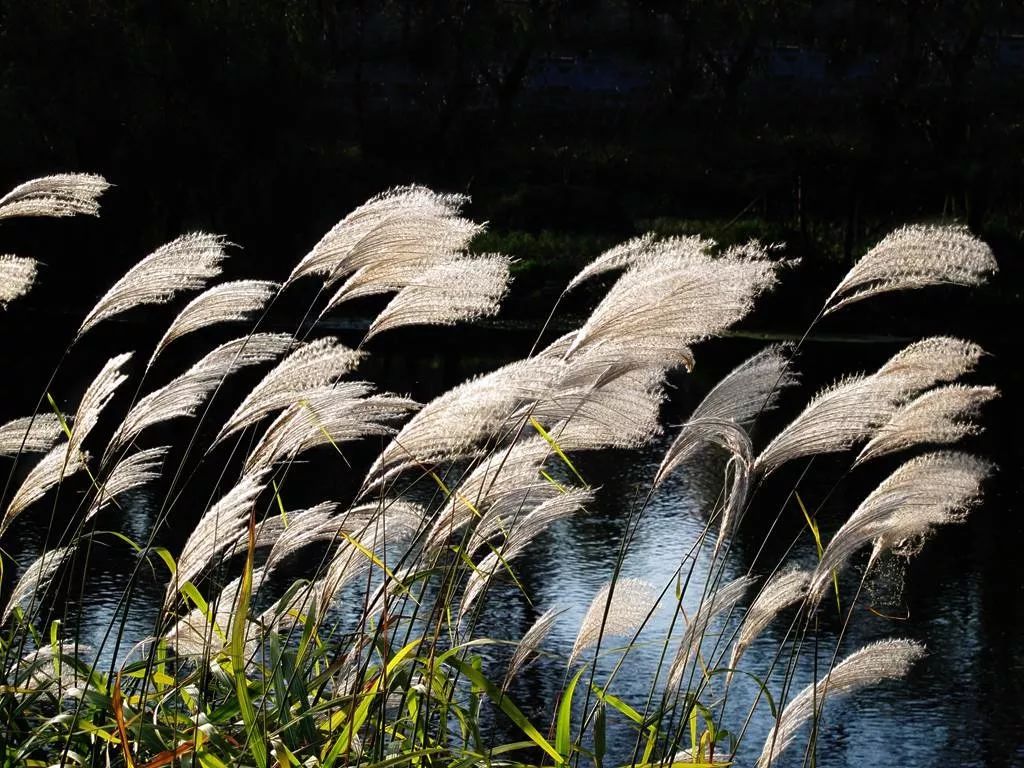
504, 513
620, 413
519, 536
283, 534
391, 523
625, 255
201, 635
309, 368
530, 643
304, 527
395, 254
215, 532
626, 608
63, 194
840, 416
835, 419
750, 388
17, 275
46, 668
184, 264
940, 416
872, 664
328, 256
913, 257
332, 415
30, 434
231, 302
715, 603
36, 578
185, 394
675, 297
506, 478
457, 289
48, 472
96, 398
928, 362
927, 491
128, 474
455, 424
782, 590
727, 434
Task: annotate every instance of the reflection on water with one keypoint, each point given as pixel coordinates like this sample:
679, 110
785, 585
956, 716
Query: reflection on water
963, 705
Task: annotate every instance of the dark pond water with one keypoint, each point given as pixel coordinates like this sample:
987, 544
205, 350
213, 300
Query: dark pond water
963, 705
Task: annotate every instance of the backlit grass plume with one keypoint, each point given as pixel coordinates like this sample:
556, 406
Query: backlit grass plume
128, 474
186, 263
331, 415
674, 297
619, 608
716, 603
309, 368
231, 302
30, 434
456, 289
50, 470
782, 590
914, 257
368, 226
941, 416
215, 532
186, 393
36, 578
63, 194
96, 398
17, 275
927, 491
873, 664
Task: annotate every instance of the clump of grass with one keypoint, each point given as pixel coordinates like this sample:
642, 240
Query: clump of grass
376, 655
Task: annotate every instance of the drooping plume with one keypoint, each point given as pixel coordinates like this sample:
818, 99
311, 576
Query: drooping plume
626, 610
520, 533
481, 408
63, 194
215, 533
625, 255
232, 302
941, 416
781, 591
842, 415
96, 398
885, 660
184, 264
914, 257
717, 602
309, 368
185, 394
529, 644
676, 296
17, 275
36, 578
30, 434
51, 470
368, 226
930, 490
456, 289
750, 388
334, 414
727, 434
130, 473
928, 362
